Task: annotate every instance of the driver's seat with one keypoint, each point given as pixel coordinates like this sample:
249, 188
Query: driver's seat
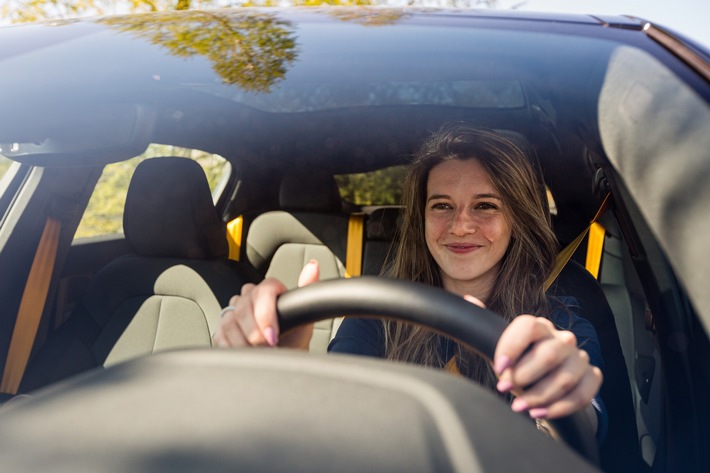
620, 452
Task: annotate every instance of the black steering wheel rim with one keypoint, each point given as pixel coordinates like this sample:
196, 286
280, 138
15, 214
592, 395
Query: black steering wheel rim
422, 304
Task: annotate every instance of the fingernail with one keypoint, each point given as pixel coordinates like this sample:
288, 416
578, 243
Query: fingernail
538, 412
313, 261
270, 336
501, 364
504, 386
519, 405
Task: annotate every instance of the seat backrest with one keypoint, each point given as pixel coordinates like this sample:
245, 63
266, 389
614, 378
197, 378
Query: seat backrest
620, 452
380, 231
310, 225
168, 294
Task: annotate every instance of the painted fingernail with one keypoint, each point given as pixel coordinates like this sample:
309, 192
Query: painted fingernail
501, 364
519, 405
538, 413
504, 386
270, 336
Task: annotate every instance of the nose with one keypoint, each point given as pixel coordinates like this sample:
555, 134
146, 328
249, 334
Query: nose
462, 223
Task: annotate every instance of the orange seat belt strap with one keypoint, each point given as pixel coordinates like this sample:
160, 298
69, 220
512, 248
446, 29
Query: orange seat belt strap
31, 307
234, 237
566, 253
353, 253
595, 246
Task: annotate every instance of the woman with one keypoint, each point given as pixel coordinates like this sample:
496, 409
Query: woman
478, 226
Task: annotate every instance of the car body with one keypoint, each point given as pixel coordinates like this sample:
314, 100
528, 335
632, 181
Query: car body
606, 105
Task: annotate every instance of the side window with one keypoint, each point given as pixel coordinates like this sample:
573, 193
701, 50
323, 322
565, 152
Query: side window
104, 213
12, 175
4, 164
384, 187
381, 187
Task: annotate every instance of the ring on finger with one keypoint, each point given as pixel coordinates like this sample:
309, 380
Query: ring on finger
229, 308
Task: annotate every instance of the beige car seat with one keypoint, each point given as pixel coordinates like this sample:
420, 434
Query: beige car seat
311, 224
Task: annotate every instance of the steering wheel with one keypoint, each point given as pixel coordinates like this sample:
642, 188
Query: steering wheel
422, 304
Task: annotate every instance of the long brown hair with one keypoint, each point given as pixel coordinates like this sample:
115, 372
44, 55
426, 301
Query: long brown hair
519, 286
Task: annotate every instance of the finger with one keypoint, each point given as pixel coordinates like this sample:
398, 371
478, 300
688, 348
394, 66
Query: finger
246, 289
229, 333
557, 383
577, 399
544, 357
475, 301
517, 337
309, 274
263, 298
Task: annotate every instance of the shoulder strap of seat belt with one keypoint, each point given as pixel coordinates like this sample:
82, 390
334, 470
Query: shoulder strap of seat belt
566, 253
353, 253
595, 246
31, 307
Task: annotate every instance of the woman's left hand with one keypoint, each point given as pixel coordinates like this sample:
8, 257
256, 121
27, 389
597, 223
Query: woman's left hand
542, 366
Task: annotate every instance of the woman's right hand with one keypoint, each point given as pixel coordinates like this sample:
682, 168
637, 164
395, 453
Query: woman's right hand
253, 322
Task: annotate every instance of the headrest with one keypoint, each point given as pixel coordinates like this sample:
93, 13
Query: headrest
169, 212
314, 192
382, 223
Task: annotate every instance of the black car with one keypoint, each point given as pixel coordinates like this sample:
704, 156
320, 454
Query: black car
261, 138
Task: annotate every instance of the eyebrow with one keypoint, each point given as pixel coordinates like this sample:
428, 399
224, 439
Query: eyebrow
477, 196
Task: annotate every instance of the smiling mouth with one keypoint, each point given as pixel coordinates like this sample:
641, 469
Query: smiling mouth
462, 247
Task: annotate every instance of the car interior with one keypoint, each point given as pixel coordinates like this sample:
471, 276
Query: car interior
186, 246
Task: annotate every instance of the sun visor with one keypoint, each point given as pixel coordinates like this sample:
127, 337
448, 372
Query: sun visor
69, 133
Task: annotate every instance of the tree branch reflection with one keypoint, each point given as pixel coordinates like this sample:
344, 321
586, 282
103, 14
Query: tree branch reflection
252, 50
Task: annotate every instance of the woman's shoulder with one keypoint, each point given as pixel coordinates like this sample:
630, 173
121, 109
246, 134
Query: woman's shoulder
359, 336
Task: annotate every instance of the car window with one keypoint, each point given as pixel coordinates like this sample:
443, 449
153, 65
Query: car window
384, 187
381, 187
4, 165
104, 213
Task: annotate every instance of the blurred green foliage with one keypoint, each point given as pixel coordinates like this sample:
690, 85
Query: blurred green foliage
4, 165
382, 187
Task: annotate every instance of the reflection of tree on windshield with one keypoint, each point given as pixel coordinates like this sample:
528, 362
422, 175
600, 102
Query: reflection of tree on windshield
368, 16
247, 49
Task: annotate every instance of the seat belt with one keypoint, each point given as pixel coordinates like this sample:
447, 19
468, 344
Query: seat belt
234, 237
595, 246
31, 307
566, 254
353, 256
353, 253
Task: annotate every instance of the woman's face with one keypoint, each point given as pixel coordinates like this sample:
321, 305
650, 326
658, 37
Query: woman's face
467, 231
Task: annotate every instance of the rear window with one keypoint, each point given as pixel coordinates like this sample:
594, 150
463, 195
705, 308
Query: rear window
381, 187
104, 213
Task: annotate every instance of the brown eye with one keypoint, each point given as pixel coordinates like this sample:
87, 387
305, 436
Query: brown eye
487, 206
